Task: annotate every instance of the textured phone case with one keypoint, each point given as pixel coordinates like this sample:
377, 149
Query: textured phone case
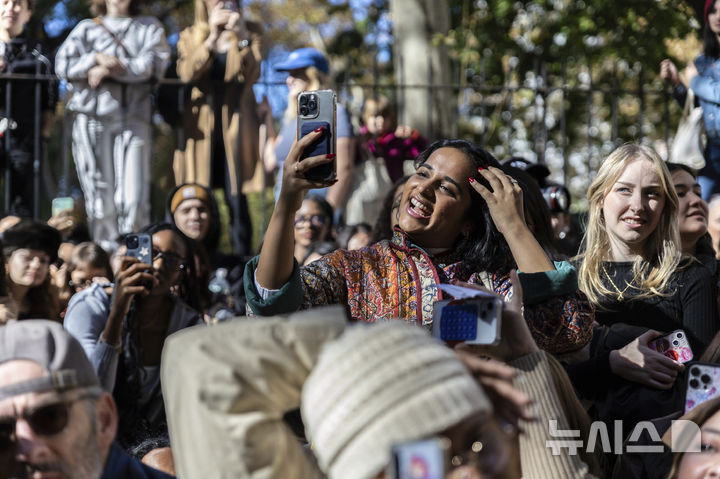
702, 384
474, 321
458, 322
674, 345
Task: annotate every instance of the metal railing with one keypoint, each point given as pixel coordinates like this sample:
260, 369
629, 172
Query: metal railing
537, 109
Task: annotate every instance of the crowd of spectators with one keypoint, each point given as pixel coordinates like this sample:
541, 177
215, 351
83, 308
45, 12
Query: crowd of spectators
319, 354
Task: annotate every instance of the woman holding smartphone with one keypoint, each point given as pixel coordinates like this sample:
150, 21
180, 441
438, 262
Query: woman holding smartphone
642, 287
460, 218
632, 268
308, 69
220, 54
123, 329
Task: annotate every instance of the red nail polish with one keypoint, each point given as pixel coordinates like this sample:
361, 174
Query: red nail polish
480, 168
319, 129
330, 155
471, 179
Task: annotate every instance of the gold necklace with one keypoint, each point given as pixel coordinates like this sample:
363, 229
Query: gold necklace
621, 294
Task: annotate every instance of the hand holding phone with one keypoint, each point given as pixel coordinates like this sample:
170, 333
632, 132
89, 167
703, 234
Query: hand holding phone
674, 345
62, 204
318, 109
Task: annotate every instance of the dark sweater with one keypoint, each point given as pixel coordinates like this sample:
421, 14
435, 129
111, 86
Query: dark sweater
692, 306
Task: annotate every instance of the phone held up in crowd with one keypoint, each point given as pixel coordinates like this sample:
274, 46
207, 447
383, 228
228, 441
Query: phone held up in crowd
140, 246
318, 109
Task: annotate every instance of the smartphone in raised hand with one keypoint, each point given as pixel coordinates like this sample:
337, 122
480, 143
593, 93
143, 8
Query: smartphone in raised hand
318, 109
139, 246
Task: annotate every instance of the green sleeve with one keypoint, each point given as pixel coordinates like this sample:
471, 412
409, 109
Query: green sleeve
286, 300
537, 287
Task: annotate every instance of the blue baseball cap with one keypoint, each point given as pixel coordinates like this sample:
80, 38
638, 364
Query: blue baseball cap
303, 58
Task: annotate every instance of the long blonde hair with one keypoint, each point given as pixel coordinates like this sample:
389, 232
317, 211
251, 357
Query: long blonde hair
662, 249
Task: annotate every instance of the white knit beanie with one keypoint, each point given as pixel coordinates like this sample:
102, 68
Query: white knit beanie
379, 385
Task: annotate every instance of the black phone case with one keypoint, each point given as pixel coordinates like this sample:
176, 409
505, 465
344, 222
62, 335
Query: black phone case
320, 147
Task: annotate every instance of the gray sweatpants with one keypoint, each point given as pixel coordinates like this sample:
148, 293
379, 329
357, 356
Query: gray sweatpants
113, 165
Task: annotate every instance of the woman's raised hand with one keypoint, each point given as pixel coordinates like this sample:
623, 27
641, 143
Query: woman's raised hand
294, 184
505, 201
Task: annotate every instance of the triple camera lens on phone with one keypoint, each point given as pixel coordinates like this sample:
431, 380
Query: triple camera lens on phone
308, 105
704, 379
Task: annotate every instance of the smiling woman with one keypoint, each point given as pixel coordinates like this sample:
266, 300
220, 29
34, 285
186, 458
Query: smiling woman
460, 218
29, 248
632, 255
642, 287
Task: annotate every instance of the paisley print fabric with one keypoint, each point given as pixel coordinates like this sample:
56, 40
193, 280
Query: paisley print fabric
392, 279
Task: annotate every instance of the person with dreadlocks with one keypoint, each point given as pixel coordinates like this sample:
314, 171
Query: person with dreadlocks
123, 332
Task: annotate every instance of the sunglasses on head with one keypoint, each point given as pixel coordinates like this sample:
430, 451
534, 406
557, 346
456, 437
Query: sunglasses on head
45, 420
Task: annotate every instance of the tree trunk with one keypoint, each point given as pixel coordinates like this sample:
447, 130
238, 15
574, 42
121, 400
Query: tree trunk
426, 104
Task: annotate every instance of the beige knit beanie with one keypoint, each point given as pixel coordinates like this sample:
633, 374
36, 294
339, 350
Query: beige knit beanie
379, 385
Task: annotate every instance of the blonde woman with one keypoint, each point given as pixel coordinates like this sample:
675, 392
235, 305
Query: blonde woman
220, 54
632, 269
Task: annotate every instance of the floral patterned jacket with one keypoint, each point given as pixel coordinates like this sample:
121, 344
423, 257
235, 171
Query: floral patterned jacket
393, 279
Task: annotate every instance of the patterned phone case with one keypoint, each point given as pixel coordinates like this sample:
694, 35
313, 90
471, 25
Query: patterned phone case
674, 345
703, 384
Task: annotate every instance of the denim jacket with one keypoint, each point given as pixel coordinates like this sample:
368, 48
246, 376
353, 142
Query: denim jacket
706, 86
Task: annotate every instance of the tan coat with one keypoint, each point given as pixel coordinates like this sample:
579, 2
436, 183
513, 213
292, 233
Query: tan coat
239, 117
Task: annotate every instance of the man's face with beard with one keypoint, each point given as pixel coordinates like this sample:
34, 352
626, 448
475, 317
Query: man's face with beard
78, 451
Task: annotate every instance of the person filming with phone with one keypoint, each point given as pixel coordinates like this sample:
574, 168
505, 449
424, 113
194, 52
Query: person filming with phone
460, 217
220, 54
308, 69
123, 330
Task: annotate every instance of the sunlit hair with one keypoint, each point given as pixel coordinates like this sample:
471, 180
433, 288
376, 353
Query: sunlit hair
662, 248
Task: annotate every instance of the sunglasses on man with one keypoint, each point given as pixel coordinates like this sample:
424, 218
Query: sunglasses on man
45, 420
